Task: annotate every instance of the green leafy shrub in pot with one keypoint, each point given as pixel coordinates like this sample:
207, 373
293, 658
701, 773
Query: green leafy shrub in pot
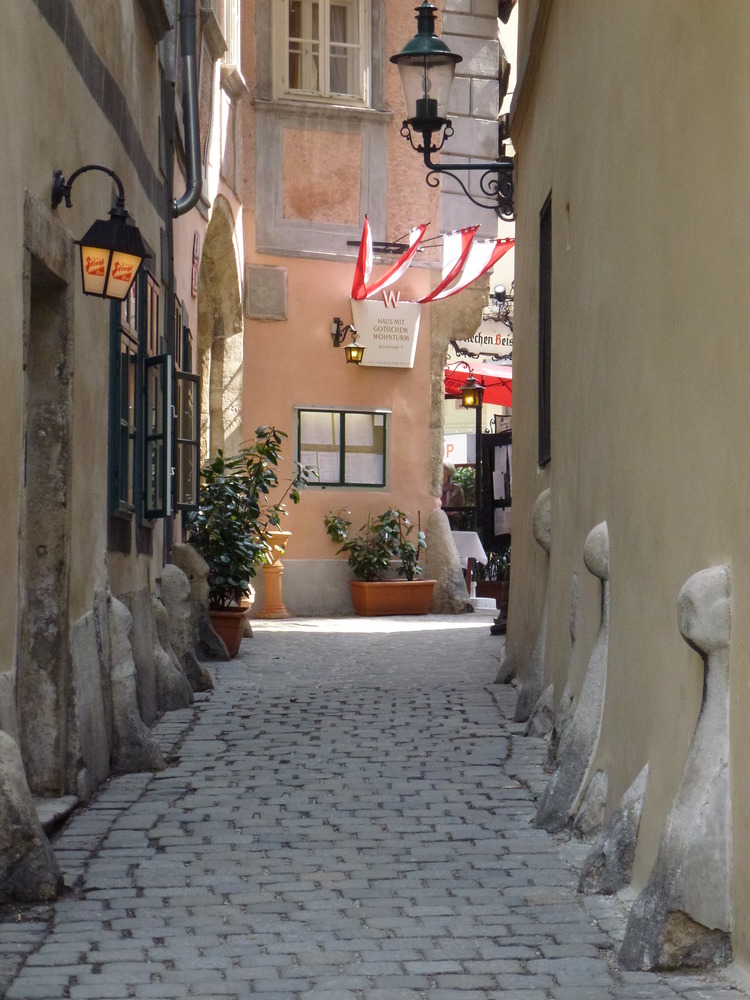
232, 525
380, 541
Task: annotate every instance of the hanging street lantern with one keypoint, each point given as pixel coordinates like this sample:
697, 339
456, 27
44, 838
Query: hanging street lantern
112, 250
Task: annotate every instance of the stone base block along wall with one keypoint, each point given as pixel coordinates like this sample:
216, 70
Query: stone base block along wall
130, 660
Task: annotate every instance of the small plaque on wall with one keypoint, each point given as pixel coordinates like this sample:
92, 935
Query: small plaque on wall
265, 292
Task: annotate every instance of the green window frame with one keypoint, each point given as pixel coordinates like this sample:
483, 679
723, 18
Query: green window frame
123, 396
347, 448
185, 417
157, 437
187, 440
141, 383
156, 383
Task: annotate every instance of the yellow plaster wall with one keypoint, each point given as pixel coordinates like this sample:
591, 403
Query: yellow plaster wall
635, 118
42, 86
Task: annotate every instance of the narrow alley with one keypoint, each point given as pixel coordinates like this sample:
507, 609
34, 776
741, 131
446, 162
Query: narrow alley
346, 816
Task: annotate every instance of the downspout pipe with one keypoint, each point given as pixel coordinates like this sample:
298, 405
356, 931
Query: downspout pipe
194, 178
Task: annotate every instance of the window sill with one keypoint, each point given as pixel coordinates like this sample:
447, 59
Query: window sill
212, 34
233, 82
321, 110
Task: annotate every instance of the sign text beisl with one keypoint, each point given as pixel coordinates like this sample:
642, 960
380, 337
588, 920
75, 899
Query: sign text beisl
388, 330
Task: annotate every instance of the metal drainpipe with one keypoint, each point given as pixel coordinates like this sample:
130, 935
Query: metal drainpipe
194, 179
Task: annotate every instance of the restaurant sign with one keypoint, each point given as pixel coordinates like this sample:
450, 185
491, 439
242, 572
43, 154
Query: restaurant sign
388, 330
493, 341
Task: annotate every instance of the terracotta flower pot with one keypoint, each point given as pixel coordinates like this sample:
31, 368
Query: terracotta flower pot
392, 597
229, 625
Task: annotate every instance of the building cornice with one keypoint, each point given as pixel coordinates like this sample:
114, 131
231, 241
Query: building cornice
321, 111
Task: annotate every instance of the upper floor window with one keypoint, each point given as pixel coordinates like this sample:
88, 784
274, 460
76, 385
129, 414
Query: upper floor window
325, 53
232, 31
186, 444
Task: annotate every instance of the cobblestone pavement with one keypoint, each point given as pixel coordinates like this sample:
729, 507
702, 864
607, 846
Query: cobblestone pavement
347, 816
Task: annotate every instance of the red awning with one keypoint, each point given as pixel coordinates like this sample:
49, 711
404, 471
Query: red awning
496, 379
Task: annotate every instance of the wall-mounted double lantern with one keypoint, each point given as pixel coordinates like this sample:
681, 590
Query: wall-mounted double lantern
111, 251
353, 351
427, 67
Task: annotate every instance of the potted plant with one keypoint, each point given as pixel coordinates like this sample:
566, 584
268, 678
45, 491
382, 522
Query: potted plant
496, 582
234, 523
382, 542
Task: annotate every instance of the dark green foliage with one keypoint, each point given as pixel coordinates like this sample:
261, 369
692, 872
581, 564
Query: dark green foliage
380, 541
465, 476
498, 565
231, 527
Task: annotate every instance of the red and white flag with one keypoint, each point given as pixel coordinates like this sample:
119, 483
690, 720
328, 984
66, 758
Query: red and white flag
478, 258
464, 260
402, 264
363, 267
456, 247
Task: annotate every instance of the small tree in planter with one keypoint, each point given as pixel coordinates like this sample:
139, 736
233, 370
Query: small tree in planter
381, 541
232, 525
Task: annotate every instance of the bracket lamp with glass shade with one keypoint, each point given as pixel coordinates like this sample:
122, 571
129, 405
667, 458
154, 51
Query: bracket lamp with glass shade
353, 351
427, 67
111, 251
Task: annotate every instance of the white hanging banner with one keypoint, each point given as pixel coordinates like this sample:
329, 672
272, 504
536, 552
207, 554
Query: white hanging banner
388, 331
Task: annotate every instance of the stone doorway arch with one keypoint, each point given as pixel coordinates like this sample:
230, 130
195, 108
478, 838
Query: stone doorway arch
220, 335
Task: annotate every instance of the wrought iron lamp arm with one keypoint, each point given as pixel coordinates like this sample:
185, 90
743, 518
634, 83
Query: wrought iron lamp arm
339, 332
61, 187
495, 180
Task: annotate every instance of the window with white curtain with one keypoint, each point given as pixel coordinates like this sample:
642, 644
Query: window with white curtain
343, 447
325, 52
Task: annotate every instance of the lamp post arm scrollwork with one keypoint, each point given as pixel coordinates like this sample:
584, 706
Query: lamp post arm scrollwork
495, 180
61, 187
427, 66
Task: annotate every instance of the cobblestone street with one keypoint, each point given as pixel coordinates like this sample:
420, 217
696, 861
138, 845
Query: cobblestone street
347, 816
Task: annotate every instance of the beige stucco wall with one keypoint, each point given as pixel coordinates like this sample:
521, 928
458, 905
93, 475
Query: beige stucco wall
634, 117
41, 86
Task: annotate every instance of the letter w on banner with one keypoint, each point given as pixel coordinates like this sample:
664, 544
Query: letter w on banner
360, 289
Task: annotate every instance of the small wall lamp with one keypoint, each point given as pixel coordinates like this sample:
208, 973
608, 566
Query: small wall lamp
353, 351
427, 66
111, 252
